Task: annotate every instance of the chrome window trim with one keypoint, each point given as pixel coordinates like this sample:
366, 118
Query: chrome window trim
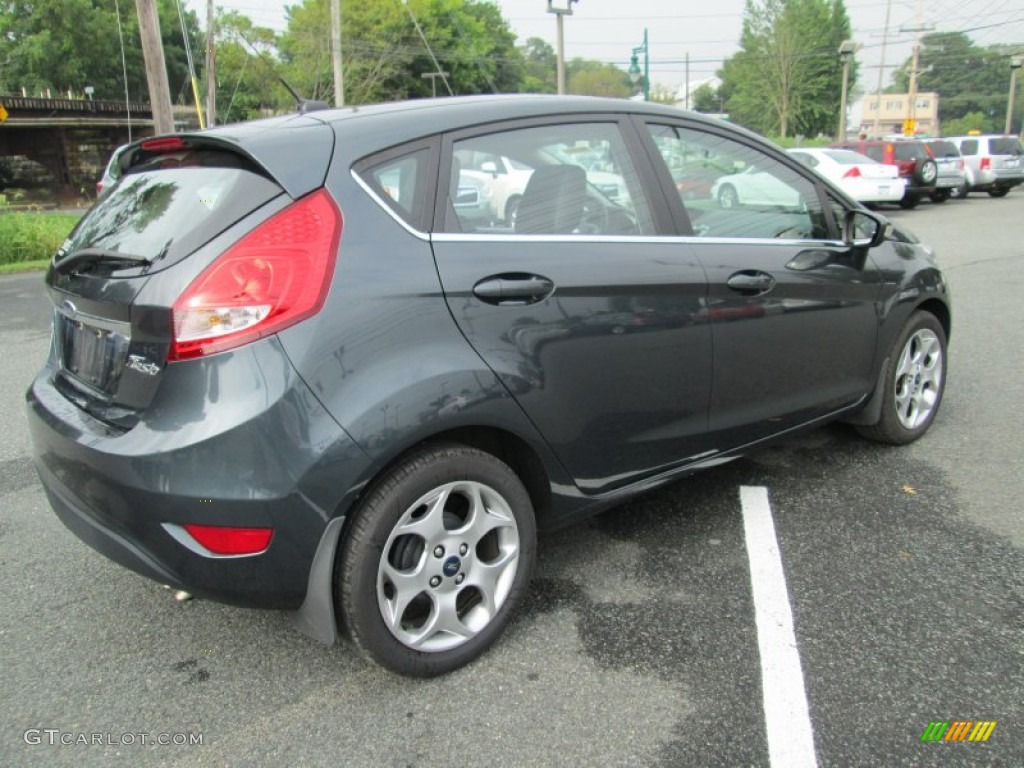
472, 237
387, 208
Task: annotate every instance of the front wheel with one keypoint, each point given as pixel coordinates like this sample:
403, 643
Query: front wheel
727, 197
940, 195
436, 560
914, 381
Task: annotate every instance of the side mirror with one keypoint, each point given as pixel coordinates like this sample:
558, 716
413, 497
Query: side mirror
490, 167
862, 229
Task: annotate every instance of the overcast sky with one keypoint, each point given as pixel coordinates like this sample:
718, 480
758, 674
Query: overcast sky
709, 31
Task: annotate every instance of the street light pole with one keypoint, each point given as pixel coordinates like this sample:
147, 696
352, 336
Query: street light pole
1015, 63
846, 51
634, 67
559, 12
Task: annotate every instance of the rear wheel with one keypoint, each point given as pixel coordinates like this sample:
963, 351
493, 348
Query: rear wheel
961, 192
437, 558
999, 192
914, 381
727, 197
910, 200
940, 195
926, 172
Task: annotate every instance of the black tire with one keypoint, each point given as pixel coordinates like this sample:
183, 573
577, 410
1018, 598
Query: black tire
512, 209
916, 365
961, 192
940, 195
910, 200
468, 571
727, 197
999, 192
926, 172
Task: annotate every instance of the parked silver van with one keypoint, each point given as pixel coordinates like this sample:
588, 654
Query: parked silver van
994, 164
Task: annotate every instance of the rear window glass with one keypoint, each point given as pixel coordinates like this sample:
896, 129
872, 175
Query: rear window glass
944, 149
907, 151
846, 157
875, 152
1004, 146
163, 212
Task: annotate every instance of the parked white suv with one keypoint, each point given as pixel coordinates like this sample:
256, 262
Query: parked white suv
994, 164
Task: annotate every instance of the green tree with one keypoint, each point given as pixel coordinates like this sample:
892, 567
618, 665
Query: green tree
69, 44
705, 98
540, 66
969, 79
247, 84
385, 58
972, 121
586, 77
787, 75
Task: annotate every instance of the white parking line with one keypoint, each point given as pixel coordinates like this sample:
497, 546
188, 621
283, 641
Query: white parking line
787, 722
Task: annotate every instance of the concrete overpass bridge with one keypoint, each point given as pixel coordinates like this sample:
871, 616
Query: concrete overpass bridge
70, 138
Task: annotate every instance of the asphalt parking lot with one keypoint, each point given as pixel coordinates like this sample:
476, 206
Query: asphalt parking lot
638, 645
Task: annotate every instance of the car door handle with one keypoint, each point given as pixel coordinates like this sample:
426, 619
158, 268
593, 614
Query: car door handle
513, 288
751, 282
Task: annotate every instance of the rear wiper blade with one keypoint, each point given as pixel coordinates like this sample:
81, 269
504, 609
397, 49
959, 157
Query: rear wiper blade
93, 255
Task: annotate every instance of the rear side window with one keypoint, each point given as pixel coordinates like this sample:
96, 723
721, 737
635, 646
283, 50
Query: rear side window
168, 205
969, 147
1004, 146
399, 181
572, 178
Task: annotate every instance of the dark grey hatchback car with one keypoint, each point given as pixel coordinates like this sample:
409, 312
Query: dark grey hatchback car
349, 362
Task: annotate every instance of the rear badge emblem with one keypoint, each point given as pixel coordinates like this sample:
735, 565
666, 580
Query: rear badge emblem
142, 365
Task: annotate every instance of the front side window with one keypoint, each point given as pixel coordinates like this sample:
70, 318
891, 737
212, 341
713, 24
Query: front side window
566, 179
734, 190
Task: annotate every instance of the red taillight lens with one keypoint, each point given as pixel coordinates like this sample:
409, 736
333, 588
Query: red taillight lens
986, 163
164, 144
274, 277
222, 540
853, 173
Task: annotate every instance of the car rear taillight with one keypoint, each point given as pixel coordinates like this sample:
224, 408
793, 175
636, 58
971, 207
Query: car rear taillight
274, 277
890, 154
960, 164
853, 173
986, 163
224, 540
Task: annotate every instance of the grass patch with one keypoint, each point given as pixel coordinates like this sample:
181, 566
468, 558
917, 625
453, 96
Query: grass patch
24, 266
33, 236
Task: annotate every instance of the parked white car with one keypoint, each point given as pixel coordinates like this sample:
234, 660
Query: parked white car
862, 178
753, 187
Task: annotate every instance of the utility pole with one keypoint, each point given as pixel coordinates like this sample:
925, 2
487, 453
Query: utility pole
211, 66
156, 67
339, 77
881, 70
1016, 62
560, 12
846, 50
910, 123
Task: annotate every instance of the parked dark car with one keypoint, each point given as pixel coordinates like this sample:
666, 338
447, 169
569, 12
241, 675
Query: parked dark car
286, 372
913, 158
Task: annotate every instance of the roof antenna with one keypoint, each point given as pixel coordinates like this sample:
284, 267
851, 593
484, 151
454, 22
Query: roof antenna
303, 105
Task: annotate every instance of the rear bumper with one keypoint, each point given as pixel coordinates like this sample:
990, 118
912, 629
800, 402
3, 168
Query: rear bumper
997, 178
275, 460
